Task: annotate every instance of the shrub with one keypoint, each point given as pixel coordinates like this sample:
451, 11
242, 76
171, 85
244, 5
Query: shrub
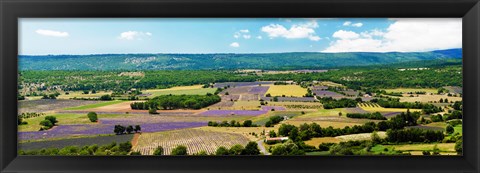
92, 116
46, 124
129, 129
179, 150
449, 129
251, 149
222, 151
158, 151
106, 97
52, 119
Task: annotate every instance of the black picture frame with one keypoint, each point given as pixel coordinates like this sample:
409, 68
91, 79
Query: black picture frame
11, 10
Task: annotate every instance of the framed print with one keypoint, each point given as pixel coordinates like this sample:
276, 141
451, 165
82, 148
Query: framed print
235, 86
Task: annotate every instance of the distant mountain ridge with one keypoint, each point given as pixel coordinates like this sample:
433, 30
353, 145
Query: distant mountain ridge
294, 60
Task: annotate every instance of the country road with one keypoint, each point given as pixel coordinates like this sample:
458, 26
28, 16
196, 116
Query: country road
262, 148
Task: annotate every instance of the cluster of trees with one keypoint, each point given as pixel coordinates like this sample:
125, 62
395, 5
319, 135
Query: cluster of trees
273, 120
330, 103
51, 96
88, 150
447, 116
287, 148
250, 149
169, 102
48, 123
119, 129
373, 116
27, 115
232, 123
395, 103
180, 150
414, 135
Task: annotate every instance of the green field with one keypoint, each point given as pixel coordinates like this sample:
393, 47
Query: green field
196, 91
96, 105
63, 119
406, 90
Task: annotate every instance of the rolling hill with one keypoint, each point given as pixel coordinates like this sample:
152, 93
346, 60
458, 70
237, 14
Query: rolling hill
295, 60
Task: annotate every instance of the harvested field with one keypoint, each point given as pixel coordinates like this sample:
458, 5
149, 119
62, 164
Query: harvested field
195, 140
424, 147
99, 140
244, 131
287, 90
331, 84
249, 97
45, 105
334, 124
360, 136
350, 92
317, 141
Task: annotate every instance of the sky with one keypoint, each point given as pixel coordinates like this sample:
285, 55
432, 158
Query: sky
55, 36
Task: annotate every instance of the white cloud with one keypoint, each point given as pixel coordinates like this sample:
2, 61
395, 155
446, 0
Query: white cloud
134, 35
357, 24
259, 37
305, 30
52, 33
345, 35
404, 35
348, 23
242, 34
234, 44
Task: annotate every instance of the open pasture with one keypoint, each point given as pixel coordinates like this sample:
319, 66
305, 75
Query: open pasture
215, 113
95, 105
331, 84
195, 140
45, 105
373, 107
187, 90
262, 119
445, 147
324, 112
287, 90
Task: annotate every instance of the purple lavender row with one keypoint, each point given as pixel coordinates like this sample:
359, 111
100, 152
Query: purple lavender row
277, 108
232, 112
98, 129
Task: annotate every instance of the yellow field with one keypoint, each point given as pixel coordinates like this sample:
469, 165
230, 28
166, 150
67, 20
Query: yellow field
300, 106
428, 98
317, 141
449, 147
79, 94
378, 108
287, 90
406, 90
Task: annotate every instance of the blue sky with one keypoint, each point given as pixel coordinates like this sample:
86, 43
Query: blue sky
235, 35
